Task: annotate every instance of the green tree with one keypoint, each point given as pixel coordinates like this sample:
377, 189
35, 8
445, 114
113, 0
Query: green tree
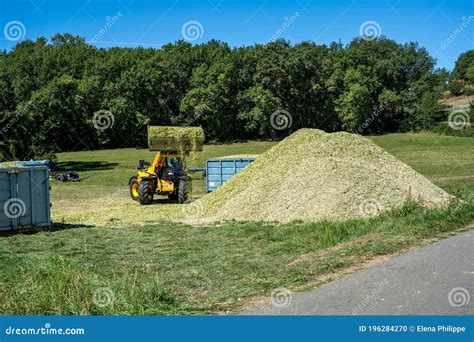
57, 86
464, 61
469, 76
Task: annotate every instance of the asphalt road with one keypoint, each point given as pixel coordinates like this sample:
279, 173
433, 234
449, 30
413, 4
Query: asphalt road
433, 280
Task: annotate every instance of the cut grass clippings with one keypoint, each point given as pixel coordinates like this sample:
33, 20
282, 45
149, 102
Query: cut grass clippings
107, 242
10, 165
173, 138
312, 175
169, 268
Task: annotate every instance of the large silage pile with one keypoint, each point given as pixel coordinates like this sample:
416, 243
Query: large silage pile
313, 175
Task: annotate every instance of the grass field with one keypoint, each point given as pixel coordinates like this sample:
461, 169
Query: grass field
108, 255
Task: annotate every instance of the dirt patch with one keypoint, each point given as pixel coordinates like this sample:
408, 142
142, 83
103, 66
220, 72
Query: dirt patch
308, 256
458, 101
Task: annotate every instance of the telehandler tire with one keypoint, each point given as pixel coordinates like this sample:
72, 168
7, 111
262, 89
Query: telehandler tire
145, 192
173, 197
185, 189
134, 188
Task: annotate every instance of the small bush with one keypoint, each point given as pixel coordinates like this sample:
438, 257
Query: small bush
468, 90
443, 128
455, 88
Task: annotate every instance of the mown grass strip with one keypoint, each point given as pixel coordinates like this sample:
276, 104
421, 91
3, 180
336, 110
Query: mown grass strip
177, 269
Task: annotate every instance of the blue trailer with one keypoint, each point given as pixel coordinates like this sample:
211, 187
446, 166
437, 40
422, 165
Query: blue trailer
219, 170
24, 198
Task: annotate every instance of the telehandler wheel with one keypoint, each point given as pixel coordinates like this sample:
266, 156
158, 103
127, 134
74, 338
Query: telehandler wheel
134, 188
145, 192
185, 189
173, 196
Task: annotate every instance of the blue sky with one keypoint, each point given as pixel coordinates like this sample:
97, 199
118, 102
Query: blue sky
151, 23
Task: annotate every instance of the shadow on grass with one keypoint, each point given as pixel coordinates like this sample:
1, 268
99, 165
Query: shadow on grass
83, 166
162, 200
55, 227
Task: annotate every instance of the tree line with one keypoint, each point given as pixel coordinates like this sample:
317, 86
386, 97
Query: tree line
65, 94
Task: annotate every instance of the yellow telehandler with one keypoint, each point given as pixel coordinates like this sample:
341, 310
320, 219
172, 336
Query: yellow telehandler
166, 174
